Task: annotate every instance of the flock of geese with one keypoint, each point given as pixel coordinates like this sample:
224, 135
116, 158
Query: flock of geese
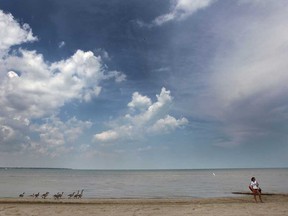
59, 195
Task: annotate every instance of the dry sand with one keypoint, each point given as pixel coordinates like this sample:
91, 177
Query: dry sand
242, 205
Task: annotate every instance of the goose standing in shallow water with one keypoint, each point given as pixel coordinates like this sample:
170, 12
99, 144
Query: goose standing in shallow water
22, 195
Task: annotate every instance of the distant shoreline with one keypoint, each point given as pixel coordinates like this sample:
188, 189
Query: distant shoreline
45, 168
180, 169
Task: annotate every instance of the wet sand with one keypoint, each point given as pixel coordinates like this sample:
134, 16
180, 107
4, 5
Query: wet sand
242, 205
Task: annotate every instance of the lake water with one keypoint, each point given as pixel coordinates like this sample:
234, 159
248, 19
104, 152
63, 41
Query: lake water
140, 183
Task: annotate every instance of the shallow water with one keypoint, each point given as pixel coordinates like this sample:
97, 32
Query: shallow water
140, 183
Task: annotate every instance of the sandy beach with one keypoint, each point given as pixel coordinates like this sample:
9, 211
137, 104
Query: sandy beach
242, 205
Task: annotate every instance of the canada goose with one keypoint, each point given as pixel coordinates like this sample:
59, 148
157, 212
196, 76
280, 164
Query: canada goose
22, 195
71, 195
45, 195
58, 195
79, 196
76, 195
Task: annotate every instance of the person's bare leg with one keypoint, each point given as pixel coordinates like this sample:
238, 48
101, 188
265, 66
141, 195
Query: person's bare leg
254, 194
259, 193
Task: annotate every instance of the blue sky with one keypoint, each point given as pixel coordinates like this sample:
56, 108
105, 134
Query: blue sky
143, 84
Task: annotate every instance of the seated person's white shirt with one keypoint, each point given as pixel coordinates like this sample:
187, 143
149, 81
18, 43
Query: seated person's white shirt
254, 185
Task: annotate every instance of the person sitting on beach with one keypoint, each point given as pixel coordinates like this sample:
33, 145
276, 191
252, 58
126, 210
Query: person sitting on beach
256, 190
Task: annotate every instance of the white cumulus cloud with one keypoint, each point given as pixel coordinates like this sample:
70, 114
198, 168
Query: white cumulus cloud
44, 87
139, 101
145, 117
109, 135
167, 124
12, 33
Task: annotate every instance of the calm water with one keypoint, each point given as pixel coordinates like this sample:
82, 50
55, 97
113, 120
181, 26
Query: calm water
140, 184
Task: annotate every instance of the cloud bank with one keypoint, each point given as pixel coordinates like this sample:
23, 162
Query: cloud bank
33, 91
32, 88
248, 82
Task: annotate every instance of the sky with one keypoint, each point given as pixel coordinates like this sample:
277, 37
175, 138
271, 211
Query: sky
154, 84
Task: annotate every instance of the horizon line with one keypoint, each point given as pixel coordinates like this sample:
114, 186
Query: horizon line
140, 169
